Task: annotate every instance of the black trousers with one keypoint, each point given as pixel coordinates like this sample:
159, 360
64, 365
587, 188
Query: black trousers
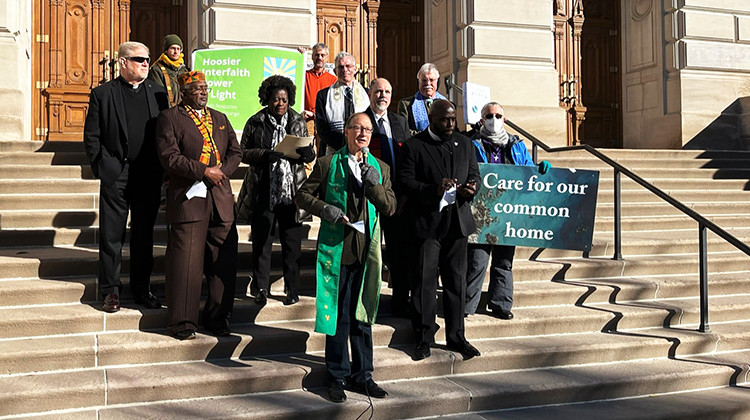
399, 249
445, 257
360, 368
207, 247
138, 189
290, 236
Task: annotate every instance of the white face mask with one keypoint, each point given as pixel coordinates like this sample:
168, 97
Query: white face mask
494, 125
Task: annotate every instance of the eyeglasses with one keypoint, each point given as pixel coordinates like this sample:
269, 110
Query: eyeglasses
497, 116
138, 59
200, 89
359, 128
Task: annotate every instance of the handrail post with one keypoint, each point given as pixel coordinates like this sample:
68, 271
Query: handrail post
703, 268
534, 148
618, 216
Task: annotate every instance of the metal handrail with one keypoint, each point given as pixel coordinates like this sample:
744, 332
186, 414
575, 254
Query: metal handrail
703, 223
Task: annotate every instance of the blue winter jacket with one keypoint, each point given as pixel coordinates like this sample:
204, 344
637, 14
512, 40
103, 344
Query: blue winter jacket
518, 151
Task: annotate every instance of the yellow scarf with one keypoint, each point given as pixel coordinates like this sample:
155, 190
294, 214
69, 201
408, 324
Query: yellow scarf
176, 63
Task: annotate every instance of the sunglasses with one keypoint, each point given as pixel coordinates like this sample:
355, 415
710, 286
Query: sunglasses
137, 59
498, 116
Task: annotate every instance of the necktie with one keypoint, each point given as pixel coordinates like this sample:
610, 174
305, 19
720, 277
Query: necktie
386, 146
348, 103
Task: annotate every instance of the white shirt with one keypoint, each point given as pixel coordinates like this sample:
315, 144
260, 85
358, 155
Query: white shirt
354, 167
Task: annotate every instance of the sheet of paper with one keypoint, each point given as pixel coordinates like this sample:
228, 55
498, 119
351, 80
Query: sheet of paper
358, 226
289, 145
449, 197
197, 190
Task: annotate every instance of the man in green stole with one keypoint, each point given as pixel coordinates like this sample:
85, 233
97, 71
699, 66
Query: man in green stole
349, 190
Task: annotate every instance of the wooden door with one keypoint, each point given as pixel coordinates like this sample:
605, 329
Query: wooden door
600, 74
400, 40
587, 56
151, 20
75, 42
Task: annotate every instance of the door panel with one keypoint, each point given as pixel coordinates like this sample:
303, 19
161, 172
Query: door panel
74, 41
151, 20
400, 45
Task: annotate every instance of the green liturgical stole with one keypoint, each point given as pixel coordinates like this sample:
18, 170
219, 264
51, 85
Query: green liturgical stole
330, 247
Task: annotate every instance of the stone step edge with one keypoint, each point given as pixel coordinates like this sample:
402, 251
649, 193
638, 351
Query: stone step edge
488, 390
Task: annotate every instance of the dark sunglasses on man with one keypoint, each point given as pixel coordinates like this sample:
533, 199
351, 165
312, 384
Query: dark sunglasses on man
137, 59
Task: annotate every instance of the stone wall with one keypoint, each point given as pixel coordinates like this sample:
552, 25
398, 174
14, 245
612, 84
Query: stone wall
15, 66
690, 93
508, 46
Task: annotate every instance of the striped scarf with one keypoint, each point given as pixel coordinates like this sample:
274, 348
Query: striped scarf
205, 125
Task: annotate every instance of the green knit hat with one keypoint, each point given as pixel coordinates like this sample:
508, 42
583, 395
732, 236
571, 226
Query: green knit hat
172, 39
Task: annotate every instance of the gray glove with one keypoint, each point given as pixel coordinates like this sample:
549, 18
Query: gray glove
331, 214
370, 176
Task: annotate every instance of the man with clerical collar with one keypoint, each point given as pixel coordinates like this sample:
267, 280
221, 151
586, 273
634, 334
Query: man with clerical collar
439, 174
118, 137
199, 151
349, 190
493, 144
337, 102
416, 108
168, 67
390, 132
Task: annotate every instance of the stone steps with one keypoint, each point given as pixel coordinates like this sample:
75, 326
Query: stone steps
428, 396
586, 329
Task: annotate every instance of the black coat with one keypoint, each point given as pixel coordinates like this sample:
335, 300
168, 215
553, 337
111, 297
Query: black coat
420, 174
105, 136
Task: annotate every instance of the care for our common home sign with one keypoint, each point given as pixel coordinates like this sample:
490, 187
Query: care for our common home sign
516, 205
235, 74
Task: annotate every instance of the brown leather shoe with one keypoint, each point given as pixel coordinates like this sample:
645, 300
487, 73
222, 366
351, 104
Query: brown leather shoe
111, 303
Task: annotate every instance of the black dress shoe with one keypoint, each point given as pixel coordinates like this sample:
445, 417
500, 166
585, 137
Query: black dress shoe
185, 335
148, 301
422, 351
499, 313
466, 349
291, 298
369, 388
336, 391
262, 297
111, 303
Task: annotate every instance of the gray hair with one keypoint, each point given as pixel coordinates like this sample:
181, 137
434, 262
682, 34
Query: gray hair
340, 56
376, 80
128, 47
319, 46
489, 104
427, 68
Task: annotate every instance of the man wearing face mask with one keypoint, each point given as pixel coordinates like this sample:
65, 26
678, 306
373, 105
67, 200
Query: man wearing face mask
493, 144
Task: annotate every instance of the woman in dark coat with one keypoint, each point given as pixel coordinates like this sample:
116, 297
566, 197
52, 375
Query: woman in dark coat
271, 182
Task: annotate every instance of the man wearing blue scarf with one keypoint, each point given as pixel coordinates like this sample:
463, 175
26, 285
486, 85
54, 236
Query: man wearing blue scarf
416, 108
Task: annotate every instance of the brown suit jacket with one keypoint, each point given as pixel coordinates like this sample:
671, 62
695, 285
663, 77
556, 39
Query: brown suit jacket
179, 143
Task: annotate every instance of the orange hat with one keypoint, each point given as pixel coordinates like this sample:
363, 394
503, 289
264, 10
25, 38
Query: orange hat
192, 76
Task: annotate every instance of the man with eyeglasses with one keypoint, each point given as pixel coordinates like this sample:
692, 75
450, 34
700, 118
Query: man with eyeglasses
199, 151
118, 137
349, 190
416, 108
336, 103
492, 144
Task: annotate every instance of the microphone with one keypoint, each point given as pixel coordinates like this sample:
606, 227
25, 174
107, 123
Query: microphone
365, 152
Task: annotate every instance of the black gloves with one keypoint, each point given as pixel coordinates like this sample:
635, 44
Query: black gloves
370, 176
306, 154
271, 156
331, 214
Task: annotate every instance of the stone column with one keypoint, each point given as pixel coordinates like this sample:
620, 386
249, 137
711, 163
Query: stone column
15, 66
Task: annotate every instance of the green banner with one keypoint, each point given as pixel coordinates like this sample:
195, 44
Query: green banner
235, 74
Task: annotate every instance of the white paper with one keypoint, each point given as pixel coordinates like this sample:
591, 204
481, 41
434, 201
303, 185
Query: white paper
197, 190
449, 197
358, 226
288, 146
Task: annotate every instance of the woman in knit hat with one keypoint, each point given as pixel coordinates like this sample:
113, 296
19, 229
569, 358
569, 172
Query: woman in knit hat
168, 67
